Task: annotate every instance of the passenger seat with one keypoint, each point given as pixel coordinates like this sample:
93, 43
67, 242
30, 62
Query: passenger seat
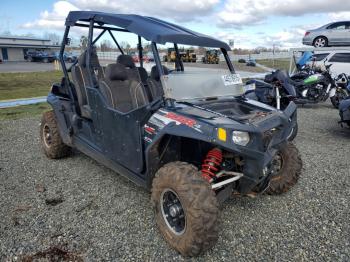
154, 83
120, 92
131, 69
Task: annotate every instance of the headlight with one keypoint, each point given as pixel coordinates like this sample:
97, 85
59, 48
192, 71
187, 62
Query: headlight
240, 138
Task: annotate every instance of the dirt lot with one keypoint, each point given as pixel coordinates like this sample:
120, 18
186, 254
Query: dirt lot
76, 209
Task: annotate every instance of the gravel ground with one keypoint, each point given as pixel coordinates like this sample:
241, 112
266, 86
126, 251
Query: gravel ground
77, 209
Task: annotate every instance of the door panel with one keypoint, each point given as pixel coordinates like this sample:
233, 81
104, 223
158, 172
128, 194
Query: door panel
121, 133
340, 63
336, 33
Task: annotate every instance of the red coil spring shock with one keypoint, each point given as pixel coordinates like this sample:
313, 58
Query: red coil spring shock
211, 164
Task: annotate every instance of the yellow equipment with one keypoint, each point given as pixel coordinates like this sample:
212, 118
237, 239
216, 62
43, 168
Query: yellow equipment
211, 57
186, 56
170, 56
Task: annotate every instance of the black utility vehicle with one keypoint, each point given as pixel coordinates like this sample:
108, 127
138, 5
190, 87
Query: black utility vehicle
39, 56
187, 136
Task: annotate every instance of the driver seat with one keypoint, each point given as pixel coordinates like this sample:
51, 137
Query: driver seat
81, 80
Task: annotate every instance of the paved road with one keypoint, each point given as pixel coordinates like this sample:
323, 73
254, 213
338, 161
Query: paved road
13, 67
78, 205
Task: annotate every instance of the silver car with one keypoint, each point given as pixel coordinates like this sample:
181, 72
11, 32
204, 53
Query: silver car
332, 34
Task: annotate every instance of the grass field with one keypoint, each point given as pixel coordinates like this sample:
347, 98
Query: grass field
24, 85
23, 111
243, 67
278, 64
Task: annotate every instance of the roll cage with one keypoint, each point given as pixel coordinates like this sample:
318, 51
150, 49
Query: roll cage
151, 29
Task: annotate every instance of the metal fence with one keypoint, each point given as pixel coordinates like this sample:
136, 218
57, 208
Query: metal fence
265, 55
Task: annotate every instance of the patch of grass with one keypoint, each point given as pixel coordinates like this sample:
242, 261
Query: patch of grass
277, 64
23, 111
243, 67
24, 85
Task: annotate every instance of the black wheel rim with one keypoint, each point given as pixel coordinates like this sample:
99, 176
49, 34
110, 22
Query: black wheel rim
173, 212
47, 137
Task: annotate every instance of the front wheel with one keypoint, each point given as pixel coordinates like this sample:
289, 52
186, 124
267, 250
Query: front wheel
287, 166
186, 209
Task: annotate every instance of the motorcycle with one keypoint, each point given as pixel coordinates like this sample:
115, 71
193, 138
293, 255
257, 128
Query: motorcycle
274, 91
342, 90
315, 87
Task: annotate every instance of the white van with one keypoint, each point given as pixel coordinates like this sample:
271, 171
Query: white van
339, 59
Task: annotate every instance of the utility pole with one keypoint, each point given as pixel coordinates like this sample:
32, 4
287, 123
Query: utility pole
273, 55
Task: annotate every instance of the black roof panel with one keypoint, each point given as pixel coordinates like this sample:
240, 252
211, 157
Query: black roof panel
150, 28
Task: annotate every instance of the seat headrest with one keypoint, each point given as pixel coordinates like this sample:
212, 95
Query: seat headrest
126, 60
143, 73
93, 58
155, 73
116, 72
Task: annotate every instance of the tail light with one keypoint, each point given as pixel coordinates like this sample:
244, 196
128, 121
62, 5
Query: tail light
307, 33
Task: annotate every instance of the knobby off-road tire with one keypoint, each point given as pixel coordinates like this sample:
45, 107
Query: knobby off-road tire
289, 171
50, 138
198, 202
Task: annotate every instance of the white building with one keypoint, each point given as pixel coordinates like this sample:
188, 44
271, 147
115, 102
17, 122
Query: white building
13, 48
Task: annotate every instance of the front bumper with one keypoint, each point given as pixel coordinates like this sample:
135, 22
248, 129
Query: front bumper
261, 150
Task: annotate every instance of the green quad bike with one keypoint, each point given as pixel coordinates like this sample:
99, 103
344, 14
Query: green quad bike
189, 137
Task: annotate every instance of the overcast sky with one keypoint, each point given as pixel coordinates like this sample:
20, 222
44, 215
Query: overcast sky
251, 23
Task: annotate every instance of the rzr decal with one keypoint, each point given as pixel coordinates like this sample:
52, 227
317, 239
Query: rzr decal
182, 119
164, 118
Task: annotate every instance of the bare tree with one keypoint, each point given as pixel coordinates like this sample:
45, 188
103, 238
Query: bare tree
126, 46
106, 45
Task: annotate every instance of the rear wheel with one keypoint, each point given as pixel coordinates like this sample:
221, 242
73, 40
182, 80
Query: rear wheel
287, 166
321, 41
186, 208
51, 141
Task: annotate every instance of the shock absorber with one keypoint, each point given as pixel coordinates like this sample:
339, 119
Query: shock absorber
211, 164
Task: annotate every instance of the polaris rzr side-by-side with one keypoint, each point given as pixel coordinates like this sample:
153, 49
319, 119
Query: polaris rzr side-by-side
186, 135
